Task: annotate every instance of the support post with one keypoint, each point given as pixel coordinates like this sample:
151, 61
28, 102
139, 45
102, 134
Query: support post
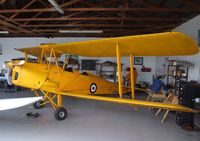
59, 100
132, 77
56, 60
41, 56
119, 70
50, 59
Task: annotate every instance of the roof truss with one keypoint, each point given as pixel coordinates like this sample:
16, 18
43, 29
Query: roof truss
33, 18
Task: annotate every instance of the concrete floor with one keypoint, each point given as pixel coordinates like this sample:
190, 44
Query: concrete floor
89, 121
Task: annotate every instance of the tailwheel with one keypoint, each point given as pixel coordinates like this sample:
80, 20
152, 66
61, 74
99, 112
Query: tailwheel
38, 105
60, 113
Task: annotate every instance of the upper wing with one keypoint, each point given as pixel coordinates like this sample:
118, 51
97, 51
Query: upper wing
161, 44
36, 51
173, 107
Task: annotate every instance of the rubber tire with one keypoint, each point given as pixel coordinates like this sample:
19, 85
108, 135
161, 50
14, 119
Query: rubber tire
60, 113
37, 105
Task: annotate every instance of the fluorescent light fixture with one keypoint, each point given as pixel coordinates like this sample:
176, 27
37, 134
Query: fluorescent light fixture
4, 32
81, 31
56, 6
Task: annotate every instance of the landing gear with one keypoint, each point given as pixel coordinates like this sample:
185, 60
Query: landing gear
60, 113
38, 105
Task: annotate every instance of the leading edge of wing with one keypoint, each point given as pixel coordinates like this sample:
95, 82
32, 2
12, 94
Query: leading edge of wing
37, 50
173, 107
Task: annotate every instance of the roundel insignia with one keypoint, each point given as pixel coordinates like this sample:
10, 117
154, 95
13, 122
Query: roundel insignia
93, 88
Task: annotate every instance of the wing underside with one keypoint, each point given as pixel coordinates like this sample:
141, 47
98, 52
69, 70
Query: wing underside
173, 107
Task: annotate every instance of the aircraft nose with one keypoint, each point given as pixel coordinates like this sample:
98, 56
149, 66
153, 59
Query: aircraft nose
9, 66
8, 75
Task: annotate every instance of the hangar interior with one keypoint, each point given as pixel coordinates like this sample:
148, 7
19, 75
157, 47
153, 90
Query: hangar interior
30, 23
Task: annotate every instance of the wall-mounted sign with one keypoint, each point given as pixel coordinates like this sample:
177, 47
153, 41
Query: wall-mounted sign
138, 60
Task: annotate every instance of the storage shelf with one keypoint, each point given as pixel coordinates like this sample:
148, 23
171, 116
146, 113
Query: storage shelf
177, 71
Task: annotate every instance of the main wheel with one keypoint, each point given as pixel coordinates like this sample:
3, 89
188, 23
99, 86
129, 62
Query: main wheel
60, 113
38, 105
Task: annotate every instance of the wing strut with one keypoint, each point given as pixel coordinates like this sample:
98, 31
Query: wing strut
119, 69
59, 100
26, 56
132, 76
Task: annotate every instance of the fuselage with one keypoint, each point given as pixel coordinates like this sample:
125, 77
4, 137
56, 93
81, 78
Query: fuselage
54, 79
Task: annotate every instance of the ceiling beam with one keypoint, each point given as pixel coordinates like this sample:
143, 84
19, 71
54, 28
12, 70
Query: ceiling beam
62, 5
190, 3
107, 3
106, 35
103, 10
90, 4
26, 6
69, 3
100, 19
18, 29
10, 30
145, 3
92, 25
37, 14
12, 24
109, 30
68, 15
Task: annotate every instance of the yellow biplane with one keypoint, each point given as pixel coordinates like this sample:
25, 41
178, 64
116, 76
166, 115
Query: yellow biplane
54, 81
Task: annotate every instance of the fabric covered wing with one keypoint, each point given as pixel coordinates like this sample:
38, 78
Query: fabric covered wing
173, 107
160, 44
36, 51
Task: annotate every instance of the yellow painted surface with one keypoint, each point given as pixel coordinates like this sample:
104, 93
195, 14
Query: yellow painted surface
132, 77
173, 107
48, 77
37, 76
159, 44
119, 70
29, 75
59, 100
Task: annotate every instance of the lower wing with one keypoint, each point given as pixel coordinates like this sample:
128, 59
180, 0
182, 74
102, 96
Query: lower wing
173, 107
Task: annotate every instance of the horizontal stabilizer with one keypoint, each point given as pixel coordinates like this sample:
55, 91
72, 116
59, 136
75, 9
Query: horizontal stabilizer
173, 107
12, 103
